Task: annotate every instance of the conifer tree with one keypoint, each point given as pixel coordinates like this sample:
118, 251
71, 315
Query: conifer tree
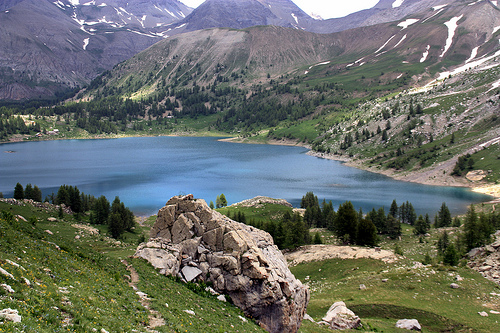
393, 227
346, 223
18, 192
394, 209
367, 233
443, 217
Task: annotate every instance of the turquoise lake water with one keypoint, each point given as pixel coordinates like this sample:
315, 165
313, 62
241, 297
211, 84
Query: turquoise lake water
146, 172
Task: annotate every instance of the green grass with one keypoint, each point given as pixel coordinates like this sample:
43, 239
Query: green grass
413, 293
262, 213
78, 285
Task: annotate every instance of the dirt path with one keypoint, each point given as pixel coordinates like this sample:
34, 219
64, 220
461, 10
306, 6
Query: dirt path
155, 318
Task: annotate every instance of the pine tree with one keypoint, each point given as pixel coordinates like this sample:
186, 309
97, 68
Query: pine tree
115, 225
317, 238
28, 192
444, 217
367, 233
450, 256
394, 209
223, 201
443, 243
393, 227
37, 194
346, 223
18, 192
101, 209
421, 227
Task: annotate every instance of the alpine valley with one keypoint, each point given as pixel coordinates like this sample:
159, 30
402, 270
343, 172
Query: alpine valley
408, 88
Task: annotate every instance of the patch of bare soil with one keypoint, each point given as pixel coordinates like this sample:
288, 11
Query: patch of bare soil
310, 253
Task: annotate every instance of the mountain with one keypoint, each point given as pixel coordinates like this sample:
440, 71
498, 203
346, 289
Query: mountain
426, 43
384, 11
47, 47
240, 14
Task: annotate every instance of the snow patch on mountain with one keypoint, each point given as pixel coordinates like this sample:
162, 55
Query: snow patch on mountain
472, 4
142, 20
296, 18
321, 63
400, 41
74, 2
468, 66
472, 55
141, 33
425, 54
59, 4
397, 3
439, 7
452, 27
86, 43
407, 23
382, 47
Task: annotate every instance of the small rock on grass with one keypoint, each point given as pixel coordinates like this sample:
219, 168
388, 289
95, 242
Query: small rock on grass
409, 324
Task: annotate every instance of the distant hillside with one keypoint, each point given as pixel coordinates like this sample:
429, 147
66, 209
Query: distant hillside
49, 46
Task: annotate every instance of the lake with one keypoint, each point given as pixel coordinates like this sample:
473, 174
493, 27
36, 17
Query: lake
146, 172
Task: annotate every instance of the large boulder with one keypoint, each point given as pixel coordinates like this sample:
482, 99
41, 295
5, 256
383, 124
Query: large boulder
196, 243
339, 317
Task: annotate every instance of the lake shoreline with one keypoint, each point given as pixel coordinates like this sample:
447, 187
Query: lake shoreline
426, 177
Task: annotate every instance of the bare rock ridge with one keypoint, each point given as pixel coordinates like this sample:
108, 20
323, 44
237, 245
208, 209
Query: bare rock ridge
194, 242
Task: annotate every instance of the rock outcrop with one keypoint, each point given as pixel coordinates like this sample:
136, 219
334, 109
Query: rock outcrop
486, 260
192, 241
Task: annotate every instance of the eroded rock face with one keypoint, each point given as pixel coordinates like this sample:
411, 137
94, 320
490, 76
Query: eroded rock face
196, 243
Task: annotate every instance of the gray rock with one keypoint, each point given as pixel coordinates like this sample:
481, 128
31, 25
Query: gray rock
190, 273
7, 288
362, 287
339, 317
454, 286
10, 315
409, 324
194, 242
308, 317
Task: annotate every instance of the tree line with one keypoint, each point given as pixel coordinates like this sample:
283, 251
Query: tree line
116, 216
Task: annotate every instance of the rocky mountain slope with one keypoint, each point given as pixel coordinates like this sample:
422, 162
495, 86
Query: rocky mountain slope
48, 46
415, 50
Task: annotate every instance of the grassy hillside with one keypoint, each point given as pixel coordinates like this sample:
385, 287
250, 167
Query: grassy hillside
67, 276
71, 280
411, 290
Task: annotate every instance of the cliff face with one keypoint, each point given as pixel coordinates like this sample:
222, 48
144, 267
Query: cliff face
198, 244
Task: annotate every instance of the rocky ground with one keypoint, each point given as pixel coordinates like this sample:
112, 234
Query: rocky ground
310, 253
